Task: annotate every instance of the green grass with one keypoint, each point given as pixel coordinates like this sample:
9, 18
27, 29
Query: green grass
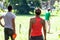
24, 21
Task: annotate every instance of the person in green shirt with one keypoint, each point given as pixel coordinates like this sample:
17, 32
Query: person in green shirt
47, 18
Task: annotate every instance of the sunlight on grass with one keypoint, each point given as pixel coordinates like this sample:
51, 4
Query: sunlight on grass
22, 34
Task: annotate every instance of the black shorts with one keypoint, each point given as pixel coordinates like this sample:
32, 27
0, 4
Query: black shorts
36, 38
8, 33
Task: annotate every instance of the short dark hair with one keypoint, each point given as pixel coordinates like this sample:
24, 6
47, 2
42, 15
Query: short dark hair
49, 9
38, 11
9, 8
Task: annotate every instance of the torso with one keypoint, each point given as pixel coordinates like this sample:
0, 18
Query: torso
36, 27
47, 16
7, 19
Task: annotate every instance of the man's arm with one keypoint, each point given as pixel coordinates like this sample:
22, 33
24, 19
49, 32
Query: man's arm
0, 21
13, 24
44, 29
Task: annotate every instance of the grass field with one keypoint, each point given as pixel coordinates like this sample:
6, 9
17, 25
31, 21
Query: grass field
24, 21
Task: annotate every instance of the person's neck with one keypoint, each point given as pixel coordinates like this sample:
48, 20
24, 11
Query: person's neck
9, 11
37, 16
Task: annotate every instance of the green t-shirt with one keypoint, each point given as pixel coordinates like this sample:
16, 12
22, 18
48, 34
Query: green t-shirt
47, 16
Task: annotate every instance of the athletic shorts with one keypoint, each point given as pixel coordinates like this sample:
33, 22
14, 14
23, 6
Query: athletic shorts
36, 38
8, 33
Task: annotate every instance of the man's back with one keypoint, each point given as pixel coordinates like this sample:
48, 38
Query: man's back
47, 16
7, 19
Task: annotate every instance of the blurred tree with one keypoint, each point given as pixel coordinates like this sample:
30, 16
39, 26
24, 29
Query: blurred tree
44, 0
1, 0
6, 3
22, 6
33, 4
52, 3
36, 3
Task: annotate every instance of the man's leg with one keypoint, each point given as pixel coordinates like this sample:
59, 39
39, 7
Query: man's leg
12, 38
11, 33
6, 34
48, 26
6, 37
